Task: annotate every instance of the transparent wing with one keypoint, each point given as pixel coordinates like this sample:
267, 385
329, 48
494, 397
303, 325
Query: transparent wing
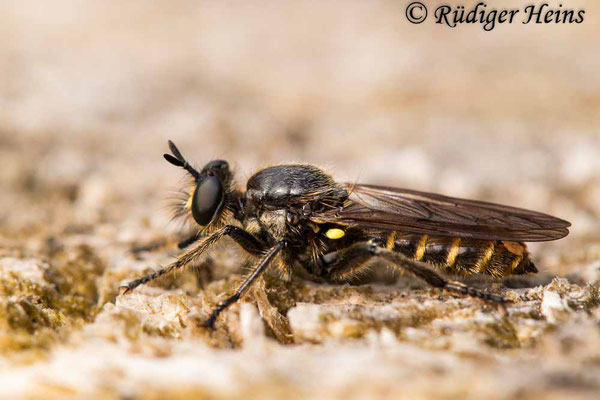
427, 213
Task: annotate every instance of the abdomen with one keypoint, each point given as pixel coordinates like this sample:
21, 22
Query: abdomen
464, 256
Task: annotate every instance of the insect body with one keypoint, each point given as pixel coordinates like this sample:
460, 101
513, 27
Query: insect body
297, 216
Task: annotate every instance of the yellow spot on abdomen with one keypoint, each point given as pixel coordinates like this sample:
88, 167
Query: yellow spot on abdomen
453, 252
484, 262
391, 241
335, 233
421, 247
514, 247
516, 263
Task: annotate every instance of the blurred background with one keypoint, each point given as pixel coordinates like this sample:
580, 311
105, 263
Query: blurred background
90, 92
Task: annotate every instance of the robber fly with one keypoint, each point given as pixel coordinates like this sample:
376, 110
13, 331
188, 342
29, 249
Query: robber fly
296, 216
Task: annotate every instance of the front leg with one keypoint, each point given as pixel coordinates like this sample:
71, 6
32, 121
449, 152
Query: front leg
248, 242
342, 264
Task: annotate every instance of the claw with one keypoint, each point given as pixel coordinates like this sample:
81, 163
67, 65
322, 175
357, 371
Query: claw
126, 291
208, 324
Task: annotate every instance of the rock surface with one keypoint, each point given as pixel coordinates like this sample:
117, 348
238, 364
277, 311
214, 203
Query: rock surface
95, 94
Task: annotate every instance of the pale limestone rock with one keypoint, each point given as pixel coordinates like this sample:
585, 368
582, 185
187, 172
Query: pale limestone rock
84, 119
554, 308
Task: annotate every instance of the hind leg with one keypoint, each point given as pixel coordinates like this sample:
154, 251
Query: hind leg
347, 262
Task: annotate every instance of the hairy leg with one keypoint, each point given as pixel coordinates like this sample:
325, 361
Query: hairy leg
347, 262
260, 268
248, 242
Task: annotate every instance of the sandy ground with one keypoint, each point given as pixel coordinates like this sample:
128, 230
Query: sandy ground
91, 93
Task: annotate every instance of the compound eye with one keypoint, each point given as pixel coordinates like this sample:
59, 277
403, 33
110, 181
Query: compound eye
207, 200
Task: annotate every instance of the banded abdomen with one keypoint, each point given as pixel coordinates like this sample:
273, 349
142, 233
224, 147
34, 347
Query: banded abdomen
464, 256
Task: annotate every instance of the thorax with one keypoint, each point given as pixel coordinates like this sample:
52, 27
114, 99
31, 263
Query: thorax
279, 200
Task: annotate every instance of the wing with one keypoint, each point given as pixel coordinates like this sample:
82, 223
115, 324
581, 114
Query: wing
427, 213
